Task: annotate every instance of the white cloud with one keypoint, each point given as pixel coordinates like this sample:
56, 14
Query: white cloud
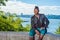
50, 10
20, 7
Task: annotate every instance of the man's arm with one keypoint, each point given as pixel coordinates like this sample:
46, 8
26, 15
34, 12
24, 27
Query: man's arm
46, 21
32, 23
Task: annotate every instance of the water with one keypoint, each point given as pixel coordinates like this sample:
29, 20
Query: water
54, 24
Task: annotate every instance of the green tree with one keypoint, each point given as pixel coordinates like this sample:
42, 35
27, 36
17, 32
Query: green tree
9, 22
58, 30
27, 28
2, 2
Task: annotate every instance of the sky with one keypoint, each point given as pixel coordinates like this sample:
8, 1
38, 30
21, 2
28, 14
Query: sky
47, 7
43, 2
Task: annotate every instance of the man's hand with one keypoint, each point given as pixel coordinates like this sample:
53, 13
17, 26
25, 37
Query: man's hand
37, 32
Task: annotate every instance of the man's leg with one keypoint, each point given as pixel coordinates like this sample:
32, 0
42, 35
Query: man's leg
42, 33
32, 34
32, 38
41, 37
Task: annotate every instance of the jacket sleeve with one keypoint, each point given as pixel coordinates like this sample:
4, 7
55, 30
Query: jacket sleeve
33, 25
46, 21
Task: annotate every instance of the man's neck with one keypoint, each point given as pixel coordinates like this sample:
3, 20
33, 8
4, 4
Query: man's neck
36, 14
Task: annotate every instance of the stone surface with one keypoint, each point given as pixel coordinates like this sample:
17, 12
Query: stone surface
25, 36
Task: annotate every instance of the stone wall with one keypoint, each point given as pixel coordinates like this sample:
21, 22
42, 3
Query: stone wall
25, 36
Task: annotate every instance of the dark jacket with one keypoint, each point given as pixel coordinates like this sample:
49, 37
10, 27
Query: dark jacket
43, 21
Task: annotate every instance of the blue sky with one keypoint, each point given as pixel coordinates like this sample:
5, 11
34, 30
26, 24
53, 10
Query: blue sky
43, 2
27, 6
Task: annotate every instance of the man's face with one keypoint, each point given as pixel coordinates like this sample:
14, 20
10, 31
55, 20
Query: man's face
35, 11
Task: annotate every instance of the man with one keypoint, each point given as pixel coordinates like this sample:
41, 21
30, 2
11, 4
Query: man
39, 23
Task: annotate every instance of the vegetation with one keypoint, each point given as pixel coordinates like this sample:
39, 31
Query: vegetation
10, 22
27, 28
58, 30
2, 2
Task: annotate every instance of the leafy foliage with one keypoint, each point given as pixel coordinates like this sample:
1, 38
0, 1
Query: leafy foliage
2, 2
58, 30
10, 22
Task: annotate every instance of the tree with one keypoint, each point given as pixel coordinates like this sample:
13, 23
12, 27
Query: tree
2, 2
10, 22
27, 27
58, 30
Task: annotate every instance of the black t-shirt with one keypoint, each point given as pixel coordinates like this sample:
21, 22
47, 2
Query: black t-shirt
38, 23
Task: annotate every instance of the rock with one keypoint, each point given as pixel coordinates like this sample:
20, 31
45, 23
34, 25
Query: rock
25, 36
